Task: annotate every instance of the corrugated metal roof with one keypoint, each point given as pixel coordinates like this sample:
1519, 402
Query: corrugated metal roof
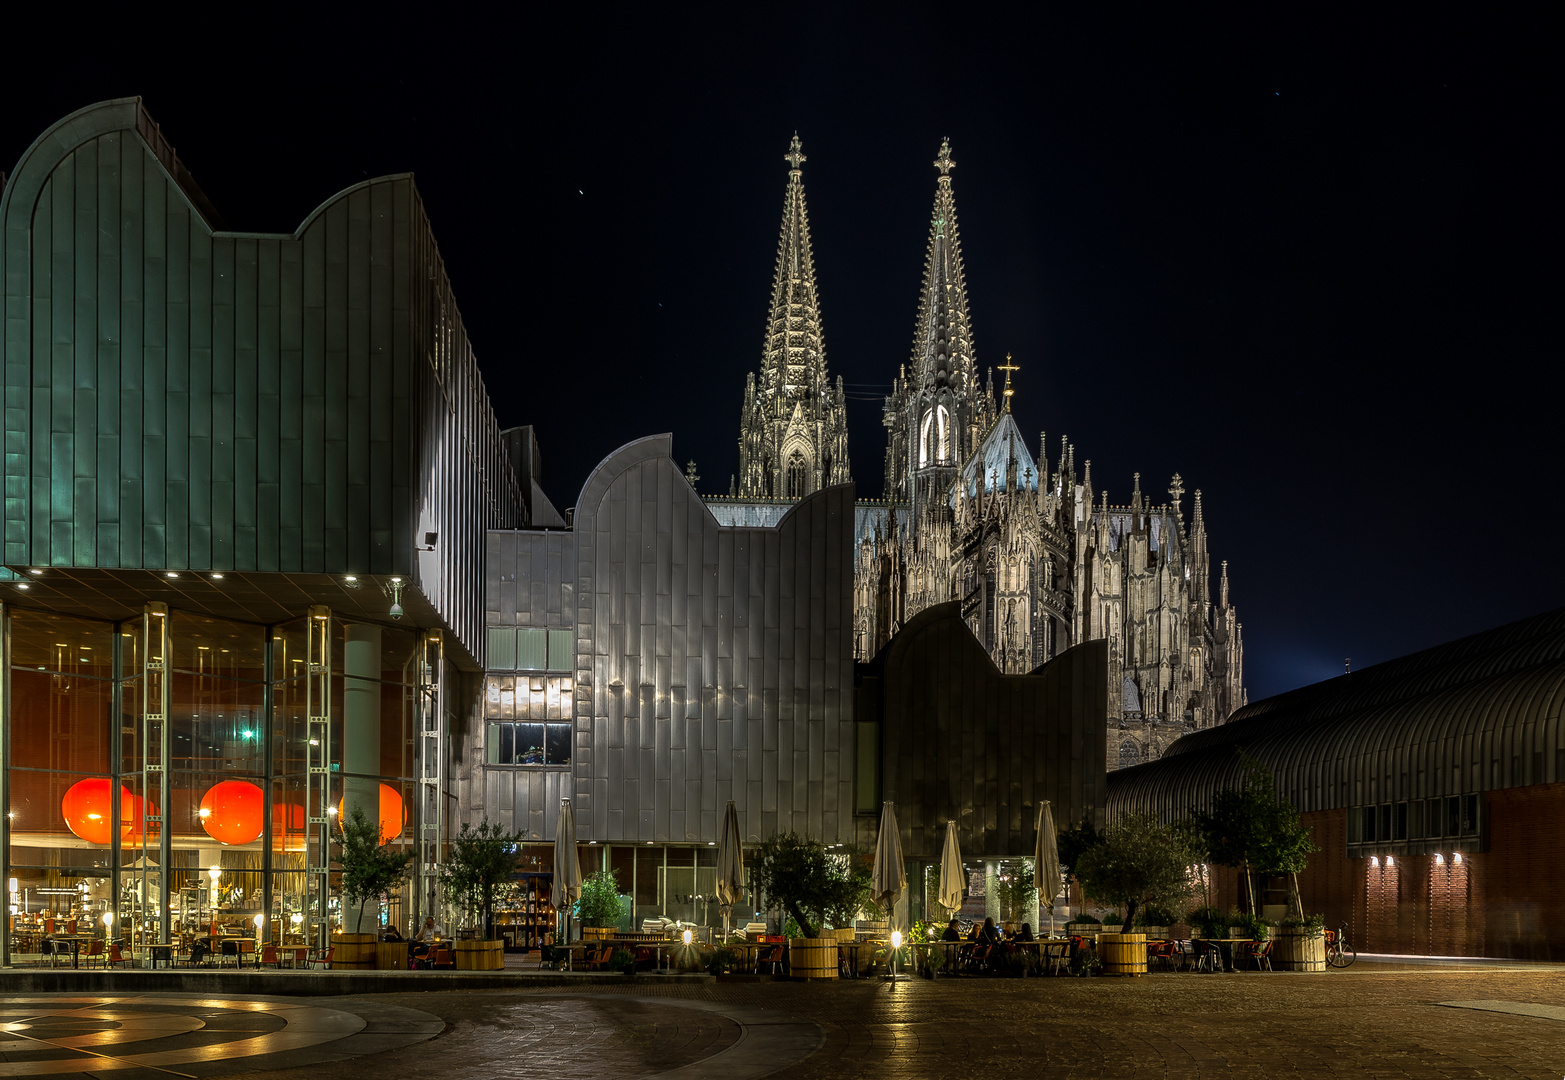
1475, 714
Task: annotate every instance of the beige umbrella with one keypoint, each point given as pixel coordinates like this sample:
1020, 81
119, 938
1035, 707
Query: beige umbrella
1046, 861
953, 878
889, 877
730, 865
567, 867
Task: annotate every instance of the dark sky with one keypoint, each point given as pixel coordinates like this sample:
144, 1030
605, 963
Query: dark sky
1310, 263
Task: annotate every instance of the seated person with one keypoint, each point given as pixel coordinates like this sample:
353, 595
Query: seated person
390, 934
988, 935
430, 930
1025, 934
972, 934
953, 932
199, 950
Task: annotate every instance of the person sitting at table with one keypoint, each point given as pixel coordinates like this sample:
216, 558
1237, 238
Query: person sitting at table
988, 935
430, 930
972, 933
390, 934
1025, 934
953, 932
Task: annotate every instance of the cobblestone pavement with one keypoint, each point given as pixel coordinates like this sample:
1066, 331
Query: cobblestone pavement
1374, 1020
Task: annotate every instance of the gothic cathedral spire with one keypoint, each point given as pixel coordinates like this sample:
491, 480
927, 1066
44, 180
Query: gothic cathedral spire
939, 414
793, 431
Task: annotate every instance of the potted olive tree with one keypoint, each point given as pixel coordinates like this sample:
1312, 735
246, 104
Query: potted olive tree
368, 873
813, 886
480, 862
1139, 861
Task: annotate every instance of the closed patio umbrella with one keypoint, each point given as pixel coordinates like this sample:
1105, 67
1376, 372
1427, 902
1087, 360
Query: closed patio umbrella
567, 867
889, 877
952, 877
1047, 861
730, 865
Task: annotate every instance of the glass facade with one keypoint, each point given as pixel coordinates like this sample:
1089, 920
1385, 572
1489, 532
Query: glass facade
158, 772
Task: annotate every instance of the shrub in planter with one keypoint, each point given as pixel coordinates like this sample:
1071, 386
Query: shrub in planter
721, 962
622, 961
599, 904
1208, 922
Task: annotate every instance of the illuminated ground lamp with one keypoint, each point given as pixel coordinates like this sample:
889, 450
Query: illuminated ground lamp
896, 944
393, 815
231, 812
88, 810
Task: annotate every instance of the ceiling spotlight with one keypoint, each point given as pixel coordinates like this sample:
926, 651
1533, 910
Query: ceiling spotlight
35, 570
350, 577
23, 585
217, 577
171, 573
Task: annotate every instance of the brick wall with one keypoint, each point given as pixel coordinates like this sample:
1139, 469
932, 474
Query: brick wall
1505, 902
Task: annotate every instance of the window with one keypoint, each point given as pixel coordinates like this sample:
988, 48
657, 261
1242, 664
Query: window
934, 437
796, 476
1129, 754
1433, 825
527, 743
530, 649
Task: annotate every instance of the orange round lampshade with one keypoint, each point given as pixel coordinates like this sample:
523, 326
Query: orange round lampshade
393, 815
88, 810
231, 812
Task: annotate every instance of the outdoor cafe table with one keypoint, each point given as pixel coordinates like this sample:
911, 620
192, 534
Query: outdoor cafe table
1224, 956
75, 941
749, 950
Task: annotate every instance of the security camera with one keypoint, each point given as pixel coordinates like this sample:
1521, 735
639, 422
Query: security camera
396, 598
396, 611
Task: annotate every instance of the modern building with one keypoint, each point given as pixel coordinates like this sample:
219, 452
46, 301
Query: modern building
269, 560
248, 483
1036, 556
1433, 784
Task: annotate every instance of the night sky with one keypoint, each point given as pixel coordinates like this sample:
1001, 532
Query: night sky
1311, 264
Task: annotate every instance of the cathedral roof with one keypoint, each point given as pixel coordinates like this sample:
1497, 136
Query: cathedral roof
988, 463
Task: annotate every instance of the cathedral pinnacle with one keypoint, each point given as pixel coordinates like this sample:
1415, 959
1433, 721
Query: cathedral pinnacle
943, 161
1176, 490
1008, 367
795, 154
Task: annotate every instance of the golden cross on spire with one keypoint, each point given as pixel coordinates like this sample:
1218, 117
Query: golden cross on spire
795, 153
1008, 367
943, 160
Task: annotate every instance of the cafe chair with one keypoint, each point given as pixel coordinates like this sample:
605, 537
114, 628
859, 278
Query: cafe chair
230, 950
269, 956
978, 957
1258, 953
46, 950
321, 957
1163, 952
1207, 957
116, 957
772, 958
94, 952
441, 956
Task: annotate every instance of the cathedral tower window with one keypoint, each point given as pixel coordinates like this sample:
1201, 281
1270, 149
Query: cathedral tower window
796, 476
934, 437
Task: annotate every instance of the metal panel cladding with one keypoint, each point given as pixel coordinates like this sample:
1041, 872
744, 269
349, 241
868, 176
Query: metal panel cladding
181, 397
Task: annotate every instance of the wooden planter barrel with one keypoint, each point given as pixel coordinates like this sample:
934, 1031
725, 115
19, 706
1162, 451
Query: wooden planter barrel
812, 958
1123, 954
391, 956
480, 955
597, 933
1297, 949
356, 952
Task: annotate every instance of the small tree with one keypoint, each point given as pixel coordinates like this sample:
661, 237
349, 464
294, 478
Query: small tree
1015, 888
810, 883
368, 869
1139, 861
599, 904
480, 861
1254, 830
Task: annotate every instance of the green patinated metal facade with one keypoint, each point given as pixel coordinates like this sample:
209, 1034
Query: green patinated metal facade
179, 397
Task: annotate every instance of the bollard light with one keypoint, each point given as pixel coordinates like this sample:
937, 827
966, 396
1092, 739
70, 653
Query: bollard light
688, 936
896, 939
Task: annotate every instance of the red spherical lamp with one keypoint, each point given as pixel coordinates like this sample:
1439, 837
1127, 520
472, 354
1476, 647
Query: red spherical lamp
231, 812
88, 809
393, 815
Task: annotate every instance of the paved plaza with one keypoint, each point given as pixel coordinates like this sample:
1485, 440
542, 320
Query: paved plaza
1374, 1020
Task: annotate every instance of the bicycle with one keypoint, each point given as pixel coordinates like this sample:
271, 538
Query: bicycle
1339, 954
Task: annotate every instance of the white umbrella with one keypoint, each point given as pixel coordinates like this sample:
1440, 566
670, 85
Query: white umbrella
567, 867
952, 877
730, 864
889, 878
1046, 861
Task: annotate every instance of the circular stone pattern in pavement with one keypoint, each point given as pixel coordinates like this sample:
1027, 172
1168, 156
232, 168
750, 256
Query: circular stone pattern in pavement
181, 1035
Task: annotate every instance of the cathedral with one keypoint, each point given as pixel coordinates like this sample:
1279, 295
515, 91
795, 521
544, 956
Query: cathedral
1037, 557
